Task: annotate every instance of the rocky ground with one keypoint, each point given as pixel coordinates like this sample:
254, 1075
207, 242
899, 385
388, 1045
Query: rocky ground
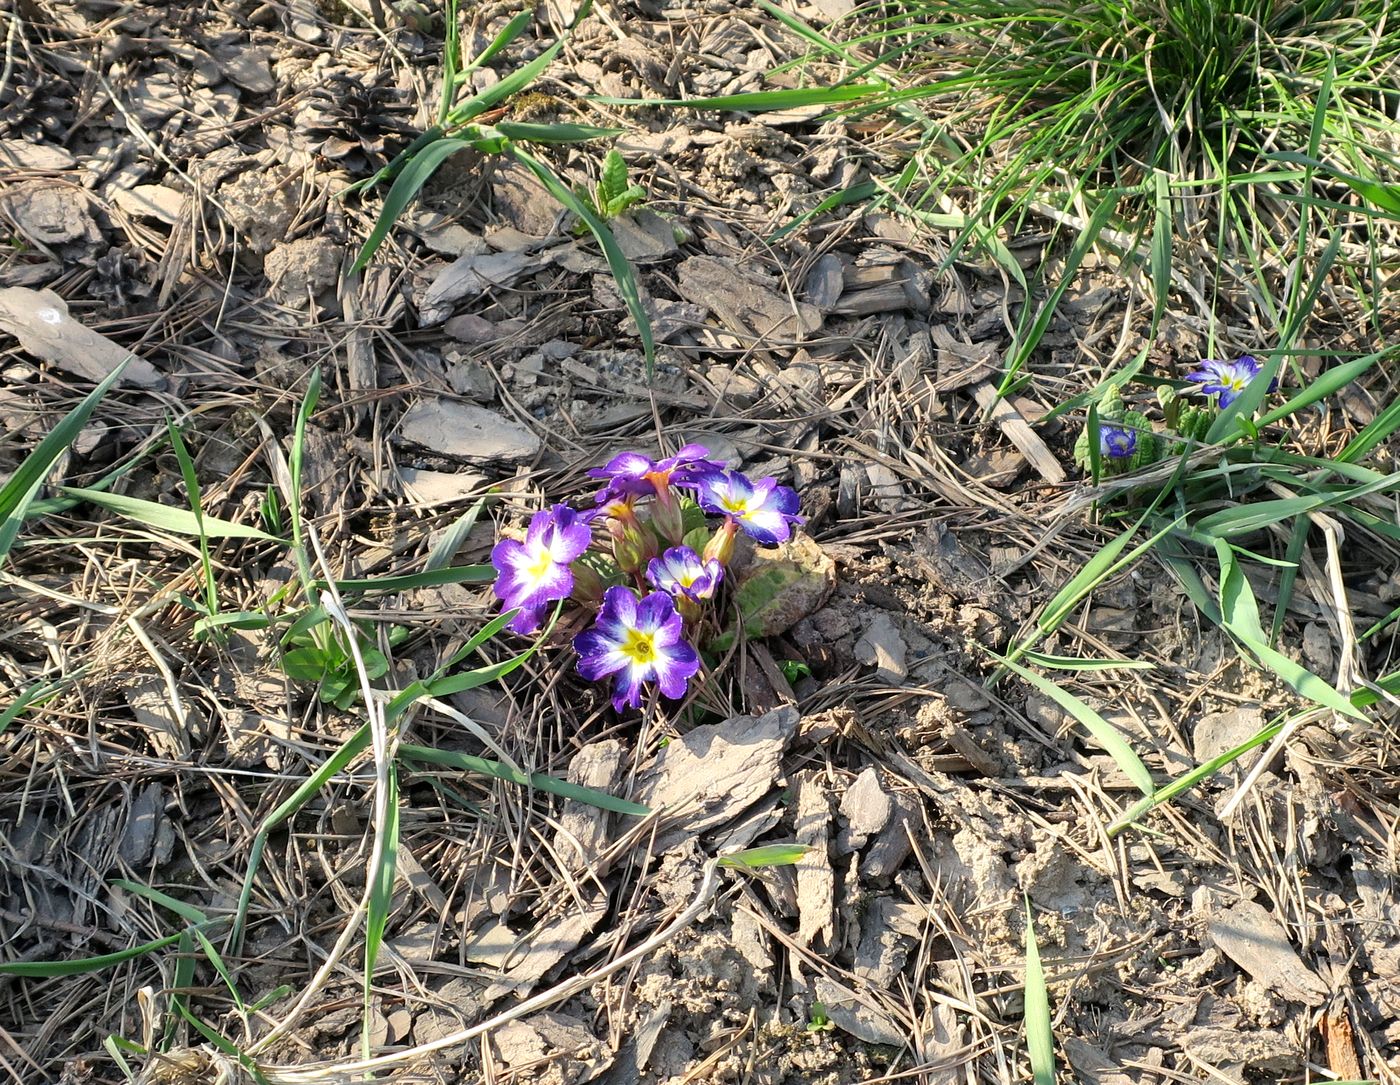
171, 184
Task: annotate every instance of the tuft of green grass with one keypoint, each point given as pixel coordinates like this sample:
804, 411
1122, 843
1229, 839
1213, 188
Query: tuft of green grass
478, 122
1174, 137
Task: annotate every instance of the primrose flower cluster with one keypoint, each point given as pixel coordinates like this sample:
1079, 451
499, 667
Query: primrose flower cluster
1127, 439
645, 560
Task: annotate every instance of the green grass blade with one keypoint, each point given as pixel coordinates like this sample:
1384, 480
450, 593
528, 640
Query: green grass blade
192, 492
188, 912
445, 549
1160, 256
350, 749
1075, 663
621, 268
1383, 197
508, 34
84, 965
855, 194
1288, 575
1190, 779
1024, 344
20, 488
465, 574
1040, 1036
1104, 732
1096, 570
769, 855
405, 188
1243, 519
36, 693
1378, 431
465, 762
217, 960
381, 899
1328, 383
761, 101
1091, 426
451, 60
160, 517
516, 81
554, 133
1239, 612
180, 984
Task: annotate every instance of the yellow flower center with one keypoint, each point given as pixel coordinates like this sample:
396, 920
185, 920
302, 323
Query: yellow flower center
541, 565
735, 505
639, 647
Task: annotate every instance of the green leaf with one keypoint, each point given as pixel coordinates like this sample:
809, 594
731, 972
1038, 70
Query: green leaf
1190, 779
553, 133
1107, 735
766, 856
381, 898
83, 965
517, 80
612, 182
20, 488
1239, 616
1040, 1036
160, 517
405, 188
539, 781
1023, 344
464, 574
760, 101
621, 268
306, 664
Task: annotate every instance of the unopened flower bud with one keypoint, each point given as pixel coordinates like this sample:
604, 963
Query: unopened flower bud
588, 585
721, 544
666, 516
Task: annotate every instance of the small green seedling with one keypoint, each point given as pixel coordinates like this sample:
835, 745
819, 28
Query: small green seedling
817, 1020
615, 193
793, 669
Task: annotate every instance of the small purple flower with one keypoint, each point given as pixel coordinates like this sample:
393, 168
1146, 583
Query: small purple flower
680, 572
633, 473
535, 573
639, 641
765, 510
1226, 379
1117, 442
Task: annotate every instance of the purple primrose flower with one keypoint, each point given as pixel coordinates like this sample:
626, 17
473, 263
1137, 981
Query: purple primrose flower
639, 641
1117, 442
681, 572
633, 473
765, 510
533, 574
1227, 379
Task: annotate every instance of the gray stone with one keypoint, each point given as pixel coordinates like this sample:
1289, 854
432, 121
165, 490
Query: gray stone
467, 432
